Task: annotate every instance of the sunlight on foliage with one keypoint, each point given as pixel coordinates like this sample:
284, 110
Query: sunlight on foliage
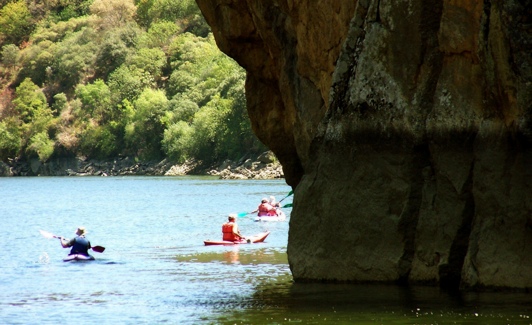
113, 13
16, 23
42, 145
103, 78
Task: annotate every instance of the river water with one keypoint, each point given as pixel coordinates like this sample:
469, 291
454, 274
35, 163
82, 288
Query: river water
156, 270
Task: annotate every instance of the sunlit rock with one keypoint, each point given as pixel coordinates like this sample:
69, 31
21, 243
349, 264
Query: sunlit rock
405, 129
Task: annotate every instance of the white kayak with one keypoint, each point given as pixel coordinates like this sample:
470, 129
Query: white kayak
281, 216
78, 257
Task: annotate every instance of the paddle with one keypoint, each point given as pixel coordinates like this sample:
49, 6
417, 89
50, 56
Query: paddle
98, 249
243, 214
289, 193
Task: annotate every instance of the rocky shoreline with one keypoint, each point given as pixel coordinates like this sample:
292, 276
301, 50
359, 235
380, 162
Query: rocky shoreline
264, 166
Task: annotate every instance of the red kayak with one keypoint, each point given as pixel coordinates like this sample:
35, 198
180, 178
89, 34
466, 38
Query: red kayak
258, 238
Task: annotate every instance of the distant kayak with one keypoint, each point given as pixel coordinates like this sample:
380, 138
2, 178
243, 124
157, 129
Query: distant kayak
78, 257
258, 238
281, 216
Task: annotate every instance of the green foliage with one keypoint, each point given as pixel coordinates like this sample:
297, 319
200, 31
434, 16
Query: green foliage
42, 145
144, 131
177, 141
143, 17
150, 11
163, 89
74, 58
99, 141
159, 35
209, 129
36, 60
113, 13
10, 55
37, 120
10, 136
180, 109
128, 82
196, 62
30, 101
43, 60
208, 93
69, 9
117, 46
55, 32
150, 60
16, 23
96, 101
60, 102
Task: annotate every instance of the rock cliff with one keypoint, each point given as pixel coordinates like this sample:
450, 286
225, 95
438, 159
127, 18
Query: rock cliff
405, 128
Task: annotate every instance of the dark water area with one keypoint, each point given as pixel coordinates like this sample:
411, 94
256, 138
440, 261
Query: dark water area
156, 269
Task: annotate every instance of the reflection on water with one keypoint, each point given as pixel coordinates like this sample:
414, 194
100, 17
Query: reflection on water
232, 256
273, 298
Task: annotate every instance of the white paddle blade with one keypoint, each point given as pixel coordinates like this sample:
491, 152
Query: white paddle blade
47, 234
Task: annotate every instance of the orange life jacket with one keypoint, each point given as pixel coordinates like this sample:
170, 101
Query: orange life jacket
264, 209
227, 230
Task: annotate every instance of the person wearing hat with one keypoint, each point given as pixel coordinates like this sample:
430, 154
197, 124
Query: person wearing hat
265, 209
274, 203
79, 244
230, 229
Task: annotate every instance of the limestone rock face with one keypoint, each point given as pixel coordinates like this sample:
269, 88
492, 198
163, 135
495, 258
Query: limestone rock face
405, 128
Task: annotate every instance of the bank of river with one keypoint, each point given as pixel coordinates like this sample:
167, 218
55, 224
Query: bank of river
263, 166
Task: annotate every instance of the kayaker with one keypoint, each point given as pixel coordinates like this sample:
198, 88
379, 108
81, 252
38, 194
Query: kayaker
230, 229
79, 244
265, 209
273, 203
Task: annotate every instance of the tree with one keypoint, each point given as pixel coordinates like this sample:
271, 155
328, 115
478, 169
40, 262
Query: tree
35, 60
37, 120
10, 53
177, 141
29, 101
144, 132
69, 9
159, 35
99, 141
16, 23
184, 13
118, 45
128, 82
42, 145
10, 137
150, 60
96, 101
113, 13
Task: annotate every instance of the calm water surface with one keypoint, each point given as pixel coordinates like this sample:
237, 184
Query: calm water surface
156, 270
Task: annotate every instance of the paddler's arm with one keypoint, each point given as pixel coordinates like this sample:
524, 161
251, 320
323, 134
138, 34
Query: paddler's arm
236, 231
65, 243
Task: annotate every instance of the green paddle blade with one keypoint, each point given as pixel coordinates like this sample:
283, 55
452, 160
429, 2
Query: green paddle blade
289, 205
242, 214
289, 193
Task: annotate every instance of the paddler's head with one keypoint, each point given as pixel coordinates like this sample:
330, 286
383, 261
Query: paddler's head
232, 217
81, 231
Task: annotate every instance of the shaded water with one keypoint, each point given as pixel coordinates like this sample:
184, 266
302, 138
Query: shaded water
156, 270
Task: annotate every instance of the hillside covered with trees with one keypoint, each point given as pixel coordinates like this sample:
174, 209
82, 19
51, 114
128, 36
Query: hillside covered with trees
108, 78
